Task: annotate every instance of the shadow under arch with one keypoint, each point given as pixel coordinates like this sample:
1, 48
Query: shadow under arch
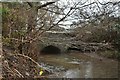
50, 50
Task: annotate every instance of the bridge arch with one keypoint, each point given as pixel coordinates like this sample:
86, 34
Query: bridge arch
50, 49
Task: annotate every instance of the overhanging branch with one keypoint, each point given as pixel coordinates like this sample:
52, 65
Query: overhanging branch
35, 38
44, 5
30, 4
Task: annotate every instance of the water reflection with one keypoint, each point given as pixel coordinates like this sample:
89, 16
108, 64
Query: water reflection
88, 70
85, 72
79, 66
72, 73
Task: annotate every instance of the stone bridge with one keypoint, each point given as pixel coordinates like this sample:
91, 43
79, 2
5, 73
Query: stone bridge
65, 42
62, 43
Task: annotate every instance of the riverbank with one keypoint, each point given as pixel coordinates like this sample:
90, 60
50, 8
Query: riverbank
110, 54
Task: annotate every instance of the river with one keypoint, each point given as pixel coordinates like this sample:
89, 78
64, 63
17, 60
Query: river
79, 65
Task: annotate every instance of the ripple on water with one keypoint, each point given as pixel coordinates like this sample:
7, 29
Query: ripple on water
87, 67
72, 73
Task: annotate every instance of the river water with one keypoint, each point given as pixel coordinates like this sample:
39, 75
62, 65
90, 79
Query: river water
79, 65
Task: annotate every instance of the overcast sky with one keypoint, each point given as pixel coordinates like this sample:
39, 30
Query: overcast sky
64, 2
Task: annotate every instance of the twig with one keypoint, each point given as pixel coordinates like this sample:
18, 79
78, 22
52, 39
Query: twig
30, 59
30, 4
33, 39
8, 68
44, 5
27, 58
19, 73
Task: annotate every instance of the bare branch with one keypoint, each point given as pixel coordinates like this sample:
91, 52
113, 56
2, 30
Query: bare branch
52, 11
19, 73
33, 39
30, 4
114, 3
44, 5
84, 5
41, 16
27, 57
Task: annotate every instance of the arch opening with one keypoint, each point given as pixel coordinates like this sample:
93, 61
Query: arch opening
50, 50
71, 49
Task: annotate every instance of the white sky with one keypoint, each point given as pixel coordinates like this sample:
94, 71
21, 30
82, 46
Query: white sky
64, 2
